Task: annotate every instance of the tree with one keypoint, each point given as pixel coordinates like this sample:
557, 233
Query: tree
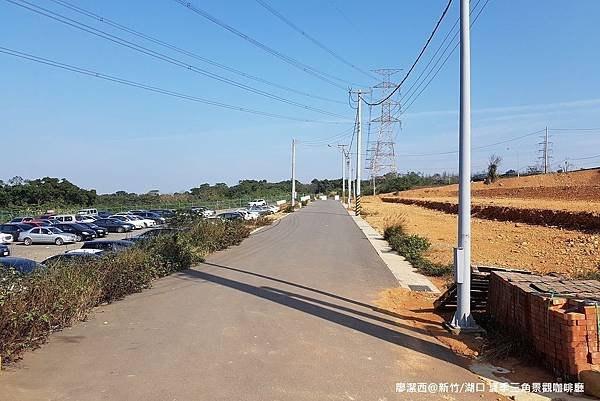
492, 170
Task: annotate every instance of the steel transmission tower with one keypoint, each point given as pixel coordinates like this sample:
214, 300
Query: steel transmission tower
546, 152
381, 158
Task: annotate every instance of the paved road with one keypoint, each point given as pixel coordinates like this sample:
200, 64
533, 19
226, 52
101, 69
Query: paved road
284, 316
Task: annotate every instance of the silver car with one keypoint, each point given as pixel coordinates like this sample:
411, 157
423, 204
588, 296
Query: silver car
46, 235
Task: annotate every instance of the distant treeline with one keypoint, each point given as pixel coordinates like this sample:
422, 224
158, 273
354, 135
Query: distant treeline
59, 193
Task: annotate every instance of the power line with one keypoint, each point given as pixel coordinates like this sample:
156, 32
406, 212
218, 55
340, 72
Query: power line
443, 63
476, 147
150, 88
188, 53
149, 52
416, 60
295, 27
287, 59
324, 141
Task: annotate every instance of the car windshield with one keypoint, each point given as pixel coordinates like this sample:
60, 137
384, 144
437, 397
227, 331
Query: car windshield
79, 227
55, 230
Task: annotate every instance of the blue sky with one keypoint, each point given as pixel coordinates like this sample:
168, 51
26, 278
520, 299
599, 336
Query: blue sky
535, 64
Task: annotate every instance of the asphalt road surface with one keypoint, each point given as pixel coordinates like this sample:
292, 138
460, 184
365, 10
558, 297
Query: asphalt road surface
287, 315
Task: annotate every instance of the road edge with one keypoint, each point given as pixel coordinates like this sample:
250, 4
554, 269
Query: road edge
406, 275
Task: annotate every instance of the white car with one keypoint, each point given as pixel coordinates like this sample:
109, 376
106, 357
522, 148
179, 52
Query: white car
257, 202
125, 218
273, 208
83, 251
6, 238
248, 215
147, 222
46, 235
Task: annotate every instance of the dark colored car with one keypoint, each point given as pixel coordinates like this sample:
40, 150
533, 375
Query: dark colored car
81, 232
37, 223
230, 216
103, 214
21, 265
114, 225
65, 257
14, 229
152, 216
4, 250
166, 213
108, 245
100, 231
153, 233
17, 220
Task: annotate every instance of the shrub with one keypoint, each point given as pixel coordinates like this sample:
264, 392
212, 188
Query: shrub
288, 208
412, 248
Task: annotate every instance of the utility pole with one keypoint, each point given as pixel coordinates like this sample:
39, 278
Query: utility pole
546, 151
342, 149
358, 151
463, 320
293, 172
348, 176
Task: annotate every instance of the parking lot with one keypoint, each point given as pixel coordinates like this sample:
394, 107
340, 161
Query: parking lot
40, 252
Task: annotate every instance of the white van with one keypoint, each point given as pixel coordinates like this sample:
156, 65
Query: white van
72, 218
65, 218
88, 212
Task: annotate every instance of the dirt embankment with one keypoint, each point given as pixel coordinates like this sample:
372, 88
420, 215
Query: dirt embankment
585, 221
563, 200
542, 249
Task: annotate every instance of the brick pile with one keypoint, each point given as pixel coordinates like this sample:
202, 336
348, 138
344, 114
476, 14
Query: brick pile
558, 317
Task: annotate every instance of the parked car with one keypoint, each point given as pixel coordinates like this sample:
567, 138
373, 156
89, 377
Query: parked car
261, 210
114, 225
205, 212
21, 219
105, 245
152, 233
37, 223
46, 235
230, 216
257, 202
81, 232
43, 222
147, 222
22, 265
72, 218
14, 229
71, 255
248, 215
4, 250
104, 214
166, 213
273, 208
88, 212
137, 224
100, 231
6, 238
152, 216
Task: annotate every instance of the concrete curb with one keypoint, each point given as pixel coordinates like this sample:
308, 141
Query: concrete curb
408, 277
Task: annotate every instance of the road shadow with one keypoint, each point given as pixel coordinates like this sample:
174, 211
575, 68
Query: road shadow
317, 291
317, 309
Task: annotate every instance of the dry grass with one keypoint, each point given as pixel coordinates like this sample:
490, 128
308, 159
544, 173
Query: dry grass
539, 249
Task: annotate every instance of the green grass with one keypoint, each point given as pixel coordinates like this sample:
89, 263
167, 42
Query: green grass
412, 248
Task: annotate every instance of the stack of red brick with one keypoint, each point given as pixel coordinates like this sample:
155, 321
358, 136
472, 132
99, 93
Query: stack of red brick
559, 317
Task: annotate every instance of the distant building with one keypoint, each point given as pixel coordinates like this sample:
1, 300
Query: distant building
154, 192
